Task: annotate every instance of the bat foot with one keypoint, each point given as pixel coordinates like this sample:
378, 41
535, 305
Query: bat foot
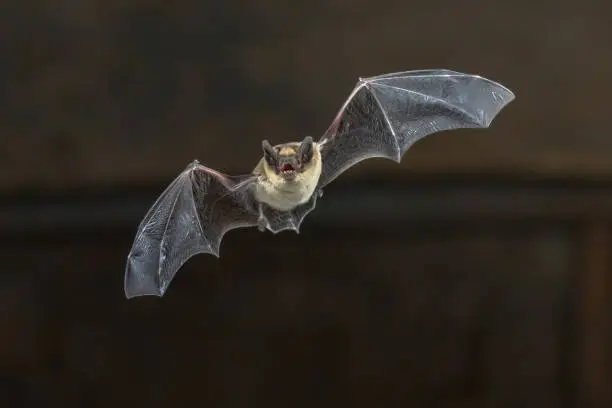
261, 224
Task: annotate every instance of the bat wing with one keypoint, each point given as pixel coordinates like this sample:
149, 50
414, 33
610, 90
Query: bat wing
386, 114
190, 217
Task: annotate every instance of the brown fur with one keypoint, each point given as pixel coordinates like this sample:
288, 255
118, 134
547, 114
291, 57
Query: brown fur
279, 193
287, 150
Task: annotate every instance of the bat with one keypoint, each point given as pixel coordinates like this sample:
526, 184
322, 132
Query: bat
382, 117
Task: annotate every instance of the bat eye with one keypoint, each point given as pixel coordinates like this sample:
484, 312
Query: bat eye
270, 160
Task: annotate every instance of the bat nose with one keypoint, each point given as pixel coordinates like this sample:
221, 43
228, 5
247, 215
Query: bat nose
287, 160
287, 164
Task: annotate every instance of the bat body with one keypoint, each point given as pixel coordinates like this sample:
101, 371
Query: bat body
383, 117
290, 188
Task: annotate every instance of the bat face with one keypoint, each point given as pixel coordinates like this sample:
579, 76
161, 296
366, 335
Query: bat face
289, 160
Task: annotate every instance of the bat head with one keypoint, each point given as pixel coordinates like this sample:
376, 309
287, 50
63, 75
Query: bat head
289, 160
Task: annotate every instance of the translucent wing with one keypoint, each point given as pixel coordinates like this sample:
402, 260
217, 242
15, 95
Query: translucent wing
386, 114
190, 217
279, 221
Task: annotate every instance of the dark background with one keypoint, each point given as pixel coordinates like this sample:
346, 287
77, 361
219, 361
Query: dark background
475, 274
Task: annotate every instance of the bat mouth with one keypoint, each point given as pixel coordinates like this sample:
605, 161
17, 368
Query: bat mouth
287, 170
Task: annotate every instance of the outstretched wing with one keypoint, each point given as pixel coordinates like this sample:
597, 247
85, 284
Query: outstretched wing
190, 217
386, 114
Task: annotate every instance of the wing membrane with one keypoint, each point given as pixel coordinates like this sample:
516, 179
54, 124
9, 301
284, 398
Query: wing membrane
190, 217
385, 115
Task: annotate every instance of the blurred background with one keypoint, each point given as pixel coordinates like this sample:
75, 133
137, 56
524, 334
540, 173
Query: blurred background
475, 274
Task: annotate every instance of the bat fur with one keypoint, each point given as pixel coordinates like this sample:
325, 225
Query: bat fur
285, 193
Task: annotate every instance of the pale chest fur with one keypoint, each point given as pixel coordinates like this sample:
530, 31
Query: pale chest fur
285, 196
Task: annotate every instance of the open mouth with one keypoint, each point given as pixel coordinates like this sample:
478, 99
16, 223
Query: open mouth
287, 169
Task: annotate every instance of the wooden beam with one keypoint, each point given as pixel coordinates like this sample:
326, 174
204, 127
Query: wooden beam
595, 317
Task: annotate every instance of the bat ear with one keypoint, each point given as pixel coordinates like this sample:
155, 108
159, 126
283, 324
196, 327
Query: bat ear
306, 149
308, 140
269, 152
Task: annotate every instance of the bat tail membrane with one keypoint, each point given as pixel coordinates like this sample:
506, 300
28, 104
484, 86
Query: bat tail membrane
189, 217
279, 221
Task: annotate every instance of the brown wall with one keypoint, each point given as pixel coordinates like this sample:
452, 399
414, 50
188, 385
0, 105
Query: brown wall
127, 90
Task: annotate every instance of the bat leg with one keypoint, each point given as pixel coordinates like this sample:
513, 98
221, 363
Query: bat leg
262, 223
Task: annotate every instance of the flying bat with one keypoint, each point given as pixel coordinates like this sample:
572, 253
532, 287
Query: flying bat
382, 117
